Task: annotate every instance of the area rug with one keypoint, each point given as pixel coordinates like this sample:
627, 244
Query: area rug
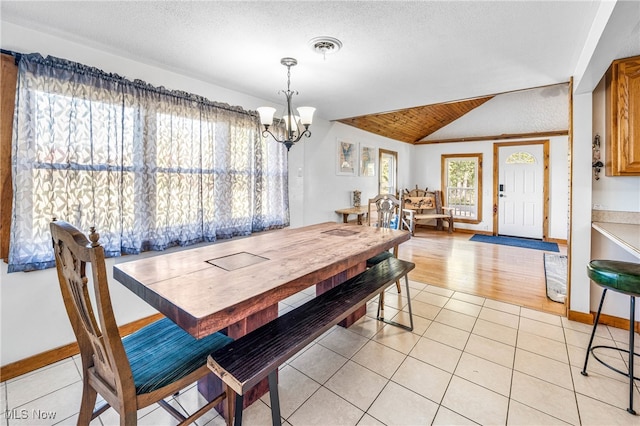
555, 274
516, 242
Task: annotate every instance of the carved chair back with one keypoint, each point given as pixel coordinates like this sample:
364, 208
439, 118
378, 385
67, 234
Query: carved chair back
101, 347
382, 209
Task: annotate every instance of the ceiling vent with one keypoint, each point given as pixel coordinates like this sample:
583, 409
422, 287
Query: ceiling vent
325, 45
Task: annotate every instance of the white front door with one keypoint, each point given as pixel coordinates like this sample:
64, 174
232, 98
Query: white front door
520, 191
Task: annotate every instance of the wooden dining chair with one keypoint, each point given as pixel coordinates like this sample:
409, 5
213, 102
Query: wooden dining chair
138, 370
382, 210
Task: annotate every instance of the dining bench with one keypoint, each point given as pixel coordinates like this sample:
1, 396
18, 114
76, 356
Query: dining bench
249, 359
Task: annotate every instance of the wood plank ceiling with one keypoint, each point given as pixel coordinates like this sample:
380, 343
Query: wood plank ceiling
414, 124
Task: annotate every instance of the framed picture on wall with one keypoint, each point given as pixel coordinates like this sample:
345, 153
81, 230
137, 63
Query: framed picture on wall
367, 161
346, 158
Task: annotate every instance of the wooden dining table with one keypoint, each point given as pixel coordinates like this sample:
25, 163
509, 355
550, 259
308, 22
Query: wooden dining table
235, 285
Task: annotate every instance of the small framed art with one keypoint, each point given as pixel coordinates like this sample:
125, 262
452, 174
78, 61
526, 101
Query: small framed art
367, 161
346, 158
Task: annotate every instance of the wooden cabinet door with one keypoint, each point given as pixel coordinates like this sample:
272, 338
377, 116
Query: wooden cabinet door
623, 121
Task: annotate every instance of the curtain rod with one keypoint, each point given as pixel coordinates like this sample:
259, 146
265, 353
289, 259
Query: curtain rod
60, 62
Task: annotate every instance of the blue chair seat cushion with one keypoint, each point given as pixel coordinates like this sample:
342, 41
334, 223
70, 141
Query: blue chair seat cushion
616, 275
378, 258
162, 352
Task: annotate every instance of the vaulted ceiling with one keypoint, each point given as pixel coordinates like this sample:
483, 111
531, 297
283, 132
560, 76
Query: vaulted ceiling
413, 124
405, 69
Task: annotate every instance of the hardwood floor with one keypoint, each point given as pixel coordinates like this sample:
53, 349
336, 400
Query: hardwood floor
508, 274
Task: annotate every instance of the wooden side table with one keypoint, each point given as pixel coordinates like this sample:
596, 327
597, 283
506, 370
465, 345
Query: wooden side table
360, 211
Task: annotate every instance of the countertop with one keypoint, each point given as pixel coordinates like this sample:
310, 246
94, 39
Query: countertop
626, 235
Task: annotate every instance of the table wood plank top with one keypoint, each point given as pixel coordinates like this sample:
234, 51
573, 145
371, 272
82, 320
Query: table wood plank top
208, 288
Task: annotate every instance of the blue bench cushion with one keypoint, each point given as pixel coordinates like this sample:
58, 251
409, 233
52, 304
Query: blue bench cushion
162, 353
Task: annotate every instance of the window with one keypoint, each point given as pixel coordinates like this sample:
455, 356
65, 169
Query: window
148, 167
462, 185
387, 183
521, 158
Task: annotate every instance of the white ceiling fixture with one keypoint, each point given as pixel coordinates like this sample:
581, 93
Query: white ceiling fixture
325, 45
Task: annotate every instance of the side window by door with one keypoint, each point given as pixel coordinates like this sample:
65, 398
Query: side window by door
388, 176
462, 185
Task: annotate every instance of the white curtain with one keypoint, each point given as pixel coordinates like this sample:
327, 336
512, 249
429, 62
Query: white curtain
148, 167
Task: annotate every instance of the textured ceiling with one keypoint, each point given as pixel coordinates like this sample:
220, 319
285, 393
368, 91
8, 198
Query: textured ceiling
396, 54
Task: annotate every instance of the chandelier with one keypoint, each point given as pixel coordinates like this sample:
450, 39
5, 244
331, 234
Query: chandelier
293, 123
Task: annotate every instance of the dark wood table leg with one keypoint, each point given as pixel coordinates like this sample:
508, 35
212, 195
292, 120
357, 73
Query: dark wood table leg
339, 279
211, 385
345, 217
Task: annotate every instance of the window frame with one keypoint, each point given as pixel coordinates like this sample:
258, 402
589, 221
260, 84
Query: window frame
444, 161
394, 185
9, 73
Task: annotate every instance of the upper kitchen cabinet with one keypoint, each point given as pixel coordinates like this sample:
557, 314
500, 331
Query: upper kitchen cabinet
623, 117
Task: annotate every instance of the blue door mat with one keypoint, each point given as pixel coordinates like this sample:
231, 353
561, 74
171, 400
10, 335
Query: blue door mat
516, 242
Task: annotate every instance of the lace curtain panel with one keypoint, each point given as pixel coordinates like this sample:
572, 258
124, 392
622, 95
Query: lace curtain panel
148, 167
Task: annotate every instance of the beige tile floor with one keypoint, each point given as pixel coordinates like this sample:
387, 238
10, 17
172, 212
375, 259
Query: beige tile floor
468, 361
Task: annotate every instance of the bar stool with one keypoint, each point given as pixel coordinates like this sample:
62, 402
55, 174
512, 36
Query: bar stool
622, 277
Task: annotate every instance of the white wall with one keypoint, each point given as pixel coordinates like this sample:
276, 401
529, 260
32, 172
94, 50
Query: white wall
327, 191
536, 110
541, 109
32, 319
426, 166
580, 237
616, 193
614, 34
32, 316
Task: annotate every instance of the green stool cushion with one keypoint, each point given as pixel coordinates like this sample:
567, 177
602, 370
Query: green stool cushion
162, 352
616, 275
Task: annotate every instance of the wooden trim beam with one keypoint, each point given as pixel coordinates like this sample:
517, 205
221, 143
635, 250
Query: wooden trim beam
8, 80
497, 137
43, 359
570, 213
605, 319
